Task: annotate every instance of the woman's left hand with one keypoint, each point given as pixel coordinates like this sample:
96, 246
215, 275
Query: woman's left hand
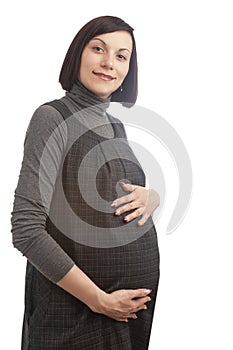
143, 200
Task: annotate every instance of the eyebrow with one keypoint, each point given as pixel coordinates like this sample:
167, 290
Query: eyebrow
122, 49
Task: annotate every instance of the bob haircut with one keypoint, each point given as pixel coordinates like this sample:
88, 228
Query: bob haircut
71, 65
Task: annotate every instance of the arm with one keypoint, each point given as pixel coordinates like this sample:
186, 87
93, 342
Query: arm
77, 283
118, 305
29, 230
29, 213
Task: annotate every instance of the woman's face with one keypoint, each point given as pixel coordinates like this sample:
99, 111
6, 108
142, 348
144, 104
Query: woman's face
105, 62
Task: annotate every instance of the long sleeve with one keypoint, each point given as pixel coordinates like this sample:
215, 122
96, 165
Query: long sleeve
30, 210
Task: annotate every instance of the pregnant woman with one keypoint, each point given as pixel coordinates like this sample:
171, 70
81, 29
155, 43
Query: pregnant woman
81, 213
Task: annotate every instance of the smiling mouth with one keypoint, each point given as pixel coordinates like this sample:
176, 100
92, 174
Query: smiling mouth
104, 76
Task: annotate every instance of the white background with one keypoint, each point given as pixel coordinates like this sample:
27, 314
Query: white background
186, 76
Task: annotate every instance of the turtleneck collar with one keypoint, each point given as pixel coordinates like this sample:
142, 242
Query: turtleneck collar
84, 98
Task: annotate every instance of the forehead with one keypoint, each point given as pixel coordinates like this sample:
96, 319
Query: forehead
118, 39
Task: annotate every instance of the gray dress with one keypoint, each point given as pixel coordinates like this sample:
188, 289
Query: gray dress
113, 253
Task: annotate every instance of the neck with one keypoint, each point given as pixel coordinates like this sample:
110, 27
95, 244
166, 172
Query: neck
84, 98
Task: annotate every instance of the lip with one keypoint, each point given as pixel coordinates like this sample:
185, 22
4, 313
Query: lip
104, 76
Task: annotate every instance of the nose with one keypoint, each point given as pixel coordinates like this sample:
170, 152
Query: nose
107, 62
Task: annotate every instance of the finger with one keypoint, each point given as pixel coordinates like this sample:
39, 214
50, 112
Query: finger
125, 318
133, 215
139, 304
132, 315
122, 319
143, 220
143, 307
137, 309
128, 187
127, 207
138, 293
122, 200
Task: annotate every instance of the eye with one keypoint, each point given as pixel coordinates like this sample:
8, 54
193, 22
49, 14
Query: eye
123, 58
97, 48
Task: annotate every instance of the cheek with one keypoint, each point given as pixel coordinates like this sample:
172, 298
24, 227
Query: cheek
124, 71
87, 62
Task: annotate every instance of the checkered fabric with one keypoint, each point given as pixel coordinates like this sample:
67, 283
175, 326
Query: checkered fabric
53, 318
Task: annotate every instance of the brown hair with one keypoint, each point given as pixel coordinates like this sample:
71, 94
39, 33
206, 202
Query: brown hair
71, 64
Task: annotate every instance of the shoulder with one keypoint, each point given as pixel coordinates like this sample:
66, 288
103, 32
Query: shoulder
45, 117
46, 114
45, 121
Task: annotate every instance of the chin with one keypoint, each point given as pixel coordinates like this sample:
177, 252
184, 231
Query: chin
101, 90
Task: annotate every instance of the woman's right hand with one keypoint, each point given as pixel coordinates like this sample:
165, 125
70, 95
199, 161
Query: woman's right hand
121, 304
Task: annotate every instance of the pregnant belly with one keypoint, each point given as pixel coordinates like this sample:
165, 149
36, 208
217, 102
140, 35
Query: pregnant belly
134, 265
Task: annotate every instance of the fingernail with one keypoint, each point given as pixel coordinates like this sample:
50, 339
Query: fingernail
113, 204
147, 291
